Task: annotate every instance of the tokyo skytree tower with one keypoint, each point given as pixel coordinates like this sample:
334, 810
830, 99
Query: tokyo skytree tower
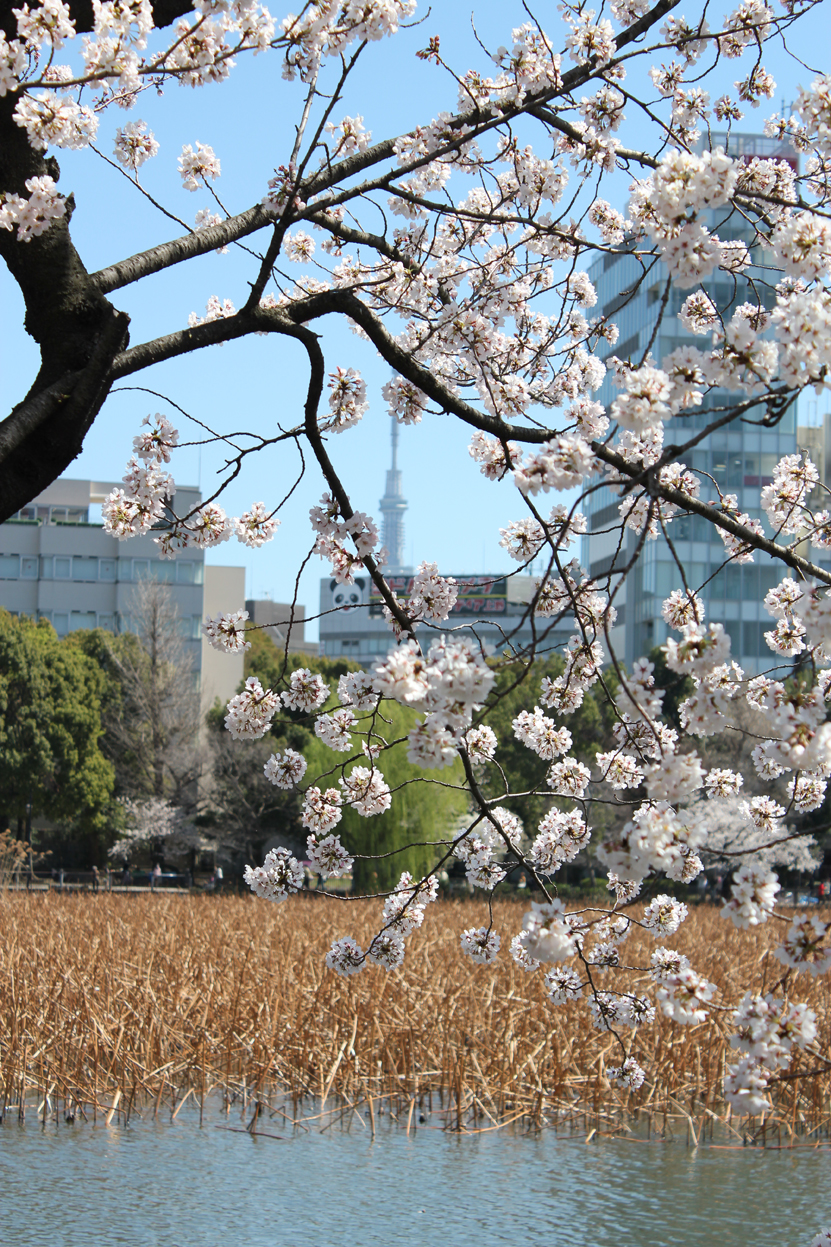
392, 506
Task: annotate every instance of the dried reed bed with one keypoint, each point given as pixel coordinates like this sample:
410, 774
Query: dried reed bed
111, 1004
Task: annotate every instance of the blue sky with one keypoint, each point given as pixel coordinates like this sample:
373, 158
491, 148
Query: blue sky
454, 513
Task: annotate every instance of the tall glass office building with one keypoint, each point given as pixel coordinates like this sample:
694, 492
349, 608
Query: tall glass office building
740, 457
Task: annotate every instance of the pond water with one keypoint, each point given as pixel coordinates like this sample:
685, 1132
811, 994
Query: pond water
155, 1184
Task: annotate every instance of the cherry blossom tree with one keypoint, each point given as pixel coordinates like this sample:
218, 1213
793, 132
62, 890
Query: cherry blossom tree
737, 833
157, 826
459, 251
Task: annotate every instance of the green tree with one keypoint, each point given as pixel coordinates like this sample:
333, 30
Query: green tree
517, 687
50, 733
247, 810
426, 807
677, 688
241, 810
272, 666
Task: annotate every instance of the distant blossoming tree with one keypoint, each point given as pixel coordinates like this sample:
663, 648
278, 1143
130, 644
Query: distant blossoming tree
737, 836
156, 825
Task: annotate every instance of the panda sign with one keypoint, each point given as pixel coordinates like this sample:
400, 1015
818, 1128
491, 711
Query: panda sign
345, 598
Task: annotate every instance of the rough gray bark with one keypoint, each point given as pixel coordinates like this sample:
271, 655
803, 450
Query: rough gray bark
78, 331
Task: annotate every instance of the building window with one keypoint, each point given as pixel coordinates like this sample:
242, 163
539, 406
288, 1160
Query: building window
190, 628
84, 568
9, 566
29, 568
768, 578
188, 572
141, 569
60, 622
753, 636
107, 622
106, 569
62, 568
81, 619
66, 515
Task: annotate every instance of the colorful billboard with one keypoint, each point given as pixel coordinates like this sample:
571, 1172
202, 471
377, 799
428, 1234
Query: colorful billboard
478, 595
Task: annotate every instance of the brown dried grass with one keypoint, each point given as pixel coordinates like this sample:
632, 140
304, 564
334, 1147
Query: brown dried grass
110, 1003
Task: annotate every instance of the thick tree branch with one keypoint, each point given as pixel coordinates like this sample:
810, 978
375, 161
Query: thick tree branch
471, 125
287, 321
82, 13
77, 330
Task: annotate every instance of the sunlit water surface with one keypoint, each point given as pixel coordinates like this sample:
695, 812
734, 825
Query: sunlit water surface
179, 1185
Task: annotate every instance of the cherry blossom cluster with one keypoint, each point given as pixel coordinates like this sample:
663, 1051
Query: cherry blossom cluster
347, 398
250, 712
523, 539
681, 992
202, 51
432, 598
562, 835
227, 632
307, 691
285, 770
549, 933
321, 810
328, 857
146, 502
803, 947
629, 1075
32, 216
481, 944
656, 838
768, 1032
611, 1011
481, 848
345, 542
447, 686
667, 205
279, 876
134, 145
403, 914
133, 511
334, 729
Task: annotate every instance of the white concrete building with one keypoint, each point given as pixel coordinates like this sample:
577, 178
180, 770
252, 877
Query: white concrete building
57, 565
490, 609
